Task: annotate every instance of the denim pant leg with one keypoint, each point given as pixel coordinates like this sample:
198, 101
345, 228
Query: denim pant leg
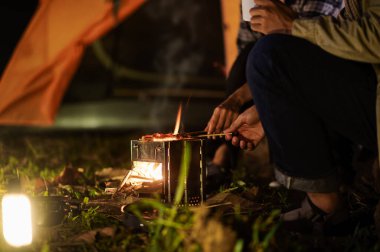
302, 92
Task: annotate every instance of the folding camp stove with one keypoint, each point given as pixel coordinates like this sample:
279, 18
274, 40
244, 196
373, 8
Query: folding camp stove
162, 162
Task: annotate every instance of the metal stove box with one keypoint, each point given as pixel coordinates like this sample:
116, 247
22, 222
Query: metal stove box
169, 154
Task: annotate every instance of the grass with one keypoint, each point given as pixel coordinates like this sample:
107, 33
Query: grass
173, 228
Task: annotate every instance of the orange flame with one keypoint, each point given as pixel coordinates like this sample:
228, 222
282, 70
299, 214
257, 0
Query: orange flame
178, 121
149, 170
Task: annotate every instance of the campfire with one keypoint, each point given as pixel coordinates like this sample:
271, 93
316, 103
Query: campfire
146, 171
156, 162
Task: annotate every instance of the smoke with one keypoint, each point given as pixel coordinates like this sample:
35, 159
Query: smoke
178, 55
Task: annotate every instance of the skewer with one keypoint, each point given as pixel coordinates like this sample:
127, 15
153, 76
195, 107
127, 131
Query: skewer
196, 133
214, 135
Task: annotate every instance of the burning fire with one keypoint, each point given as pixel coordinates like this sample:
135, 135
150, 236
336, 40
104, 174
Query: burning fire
142, 172
178, 120
147, 170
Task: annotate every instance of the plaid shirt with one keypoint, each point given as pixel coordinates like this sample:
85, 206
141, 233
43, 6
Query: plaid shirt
304, 8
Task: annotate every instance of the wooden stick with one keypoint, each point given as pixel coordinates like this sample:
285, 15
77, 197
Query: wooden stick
122, 182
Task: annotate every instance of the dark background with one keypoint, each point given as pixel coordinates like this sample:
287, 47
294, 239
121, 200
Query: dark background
165, 38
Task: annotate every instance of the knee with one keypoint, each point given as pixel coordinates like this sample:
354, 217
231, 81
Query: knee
267, 44
262, 56
268, 48
267, 55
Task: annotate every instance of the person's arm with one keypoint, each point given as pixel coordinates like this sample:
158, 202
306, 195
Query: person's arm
357, 40
228, 110
241, 95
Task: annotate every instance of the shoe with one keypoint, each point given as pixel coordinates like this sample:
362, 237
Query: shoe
306, 219
309, 219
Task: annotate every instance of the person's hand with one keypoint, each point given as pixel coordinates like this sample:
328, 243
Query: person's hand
270, 16
249, 129
228, 110
223, 116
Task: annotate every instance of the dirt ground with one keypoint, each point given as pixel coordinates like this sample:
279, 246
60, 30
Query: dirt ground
65, 172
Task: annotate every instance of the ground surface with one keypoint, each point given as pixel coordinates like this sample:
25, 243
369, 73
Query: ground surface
242, 216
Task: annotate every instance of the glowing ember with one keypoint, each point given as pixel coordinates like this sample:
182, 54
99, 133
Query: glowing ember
148, 170
178, 120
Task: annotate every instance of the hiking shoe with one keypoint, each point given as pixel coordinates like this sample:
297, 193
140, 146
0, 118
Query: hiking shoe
309, 219
306, 219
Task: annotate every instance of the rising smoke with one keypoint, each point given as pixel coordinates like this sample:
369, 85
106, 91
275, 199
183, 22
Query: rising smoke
177, 56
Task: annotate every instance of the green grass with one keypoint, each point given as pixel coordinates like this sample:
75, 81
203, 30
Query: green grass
30, 157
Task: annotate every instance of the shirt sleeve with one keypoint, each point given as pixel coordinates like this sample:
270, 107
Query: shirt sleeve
357, 40
314, 8
308, 8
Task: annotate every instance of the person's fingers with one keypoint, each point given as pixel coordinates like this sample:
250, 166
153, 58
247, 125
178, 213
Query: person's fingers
257, 20
264, 2
243, 144
213, 120
206, 129
229, 119
235, 125
259, 11
210, 126
221, 120
235, 141
257, 28
228, 137
250, 146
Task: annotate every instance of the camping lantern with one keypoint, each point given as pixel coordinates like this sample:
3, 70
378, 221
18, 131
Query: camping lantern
17, 219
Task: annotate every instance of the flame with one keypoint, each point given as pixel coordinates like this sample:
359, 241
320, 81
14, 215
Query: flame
178, 120
148, 170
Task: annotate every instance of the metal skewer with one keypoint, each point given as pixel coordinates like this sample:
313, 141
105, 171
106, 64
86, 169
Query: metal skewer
213, 135
196, 133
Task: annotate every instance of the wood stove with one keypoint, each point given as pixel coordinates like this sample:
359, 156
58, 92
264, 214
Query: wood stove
165, 158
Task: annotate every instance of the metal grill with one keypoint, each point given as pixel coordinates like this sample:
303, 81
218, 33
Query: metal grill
169, 154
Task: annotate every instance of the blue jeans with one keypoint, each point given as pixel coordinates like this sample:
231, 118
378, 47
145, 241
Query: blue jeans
303, 93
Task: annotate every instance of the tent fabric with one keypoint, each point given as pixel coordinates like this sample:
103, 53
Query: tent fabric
48, 54
231, 23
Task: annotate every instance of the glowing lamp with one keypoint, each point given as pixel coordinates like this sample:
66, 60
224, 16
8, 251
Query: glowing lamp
17, 219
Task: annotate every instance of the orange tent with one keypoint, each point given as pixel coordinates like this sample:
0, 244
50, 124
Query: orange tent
49, 53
